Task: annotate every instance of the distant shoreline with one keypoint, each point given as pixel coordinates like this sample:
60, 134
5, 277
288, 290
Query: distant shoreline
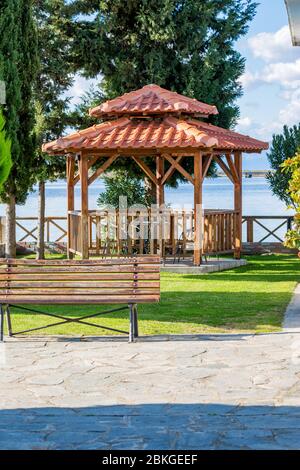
249, 173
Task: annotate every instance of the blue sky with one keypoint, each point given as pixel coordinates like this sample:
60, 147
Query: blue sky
272, 78
271, 81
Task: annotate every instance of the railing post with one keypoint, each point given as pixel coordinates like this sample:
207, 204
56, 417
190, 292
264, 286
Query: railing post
250, 234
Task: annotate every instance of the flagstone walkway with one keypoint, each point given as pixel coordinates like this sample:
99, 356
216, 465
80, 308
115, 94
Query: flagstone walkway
184, 392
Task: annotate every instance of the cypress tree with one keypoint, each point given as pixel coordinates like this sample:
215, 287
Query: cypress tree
18, 59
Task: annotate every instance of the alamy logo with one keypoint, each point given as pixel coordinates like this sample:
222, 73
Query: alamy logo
2, 92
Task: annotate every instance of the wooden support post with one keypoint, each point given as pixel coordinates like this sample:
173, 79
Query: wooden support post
198, 182
160, 193
83, 169
160, 199
238, 205
70, 200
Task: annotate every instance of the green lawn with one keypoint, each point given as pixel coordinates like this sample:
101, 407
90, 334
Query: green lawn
252, 298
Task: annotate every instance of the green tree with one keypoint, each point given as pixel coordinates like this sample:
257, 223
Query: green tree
292, 167
284, 146
185, 46
54, 78
18, 67
5, 152
120, 183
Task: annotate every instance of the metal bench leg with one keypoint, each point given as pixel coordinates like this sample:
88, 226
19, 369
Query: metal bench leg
136, 328
9, 327
1, 323
131, 316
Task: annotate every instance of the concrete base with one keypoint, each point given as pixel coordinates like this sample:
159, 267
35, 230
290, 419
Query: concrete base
212, 265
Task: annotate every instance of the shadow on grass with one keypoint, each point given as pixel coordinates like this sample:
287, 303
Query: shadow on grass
213, 309
160, 426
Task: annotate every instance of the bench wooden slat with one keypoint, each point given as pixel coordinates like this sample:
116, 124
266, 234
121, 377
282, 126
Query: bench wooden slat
76, 284
78, 276
79, 269
76, 299
94, 262
73, 291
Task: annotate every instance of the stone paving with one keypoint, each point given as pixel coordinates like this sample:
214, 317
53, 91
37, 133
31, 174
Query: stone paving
179, 392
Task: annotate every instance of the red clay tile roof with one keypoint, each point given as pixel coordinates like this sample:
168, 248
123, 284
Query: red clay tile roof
166, 133
228, 139
152, 99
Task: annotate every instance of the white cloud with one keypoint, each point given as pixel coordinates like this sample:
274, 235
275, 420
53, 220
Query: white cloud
287, 74
248, 79
245, 122
284, 74
290, 114
280, 67
275, 46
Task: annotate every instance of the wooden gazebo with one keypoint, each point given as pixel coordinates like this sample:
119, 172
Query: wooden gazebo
154, 122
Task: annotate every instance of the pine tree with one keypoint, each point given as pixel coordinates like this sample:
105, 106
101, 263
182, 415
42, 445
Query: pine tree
18, 67
187, 47
51, 103
284, 146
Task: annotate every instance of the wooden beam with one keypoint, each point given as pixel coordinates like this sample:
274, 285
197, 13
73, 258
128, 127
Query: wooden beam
83, 169
146, 170
102, 168
160, 196
238, 204
93, 160
206, 164
179, 168
70, 198
198, 179
76, 178
224, 167
171, 170
233, 169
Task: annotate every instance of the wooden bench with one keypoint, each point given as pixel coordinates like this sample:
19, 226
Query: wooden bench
129, 281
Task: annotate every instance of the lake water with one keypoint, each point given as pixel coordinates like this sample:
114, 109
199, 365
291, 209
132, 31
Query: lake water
218, 194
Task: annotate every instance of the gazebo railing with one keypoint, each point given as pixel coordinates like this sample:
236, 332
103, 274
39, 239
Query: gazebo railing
154, 233
218, 227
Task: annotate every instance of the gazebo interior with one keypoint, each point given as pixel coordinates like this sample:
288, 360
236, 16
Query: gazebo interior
154, 123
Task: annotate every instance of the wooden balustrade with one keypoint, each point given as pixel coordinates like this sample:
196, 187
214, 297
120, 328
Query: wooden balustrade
108, 234
154, 233
27, 228
252, 222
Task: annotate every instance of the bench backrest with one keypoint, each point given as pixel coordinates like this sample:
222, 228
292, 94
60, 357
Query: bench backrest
114, 281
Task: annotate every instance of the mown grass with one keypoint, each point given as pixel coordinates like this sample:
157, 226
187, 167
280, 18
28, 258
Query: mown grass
252, 298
